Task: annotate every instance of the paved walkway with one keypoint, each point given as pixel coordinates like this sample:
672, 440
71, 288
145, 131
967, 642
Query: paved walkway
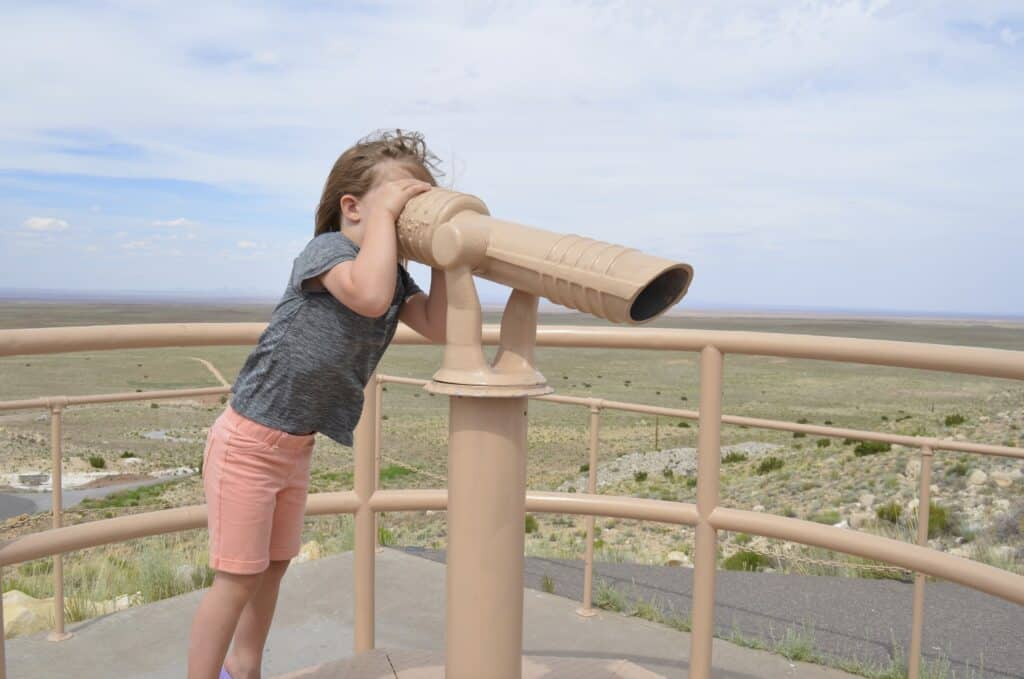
314, 626
847, 617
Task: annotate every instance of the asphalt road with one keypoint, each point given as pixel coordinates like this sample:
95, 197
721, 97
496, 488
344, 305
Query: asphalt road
978, 634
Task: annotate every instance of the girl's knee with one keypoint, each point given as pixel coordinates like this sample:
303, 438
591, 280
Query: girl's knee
235, 585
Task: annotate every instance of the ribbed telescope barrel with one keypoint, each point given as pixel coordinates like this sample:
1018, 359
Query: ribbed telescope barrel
616, 283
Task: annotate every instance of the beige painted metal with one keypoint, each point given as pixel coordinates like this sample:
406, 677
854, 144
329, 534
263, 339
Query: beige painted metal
486, 510
707, 516
378, 409
588, 559
449, 230
705, 550
3, 650
454, 232
780, 425
365, 523
973, 574
95, 399
923, 510
947, 358
57, 495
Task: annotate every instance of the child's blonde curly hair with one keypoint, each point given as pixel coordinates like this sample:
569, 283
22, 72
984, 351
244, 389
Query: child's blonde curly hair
354, 171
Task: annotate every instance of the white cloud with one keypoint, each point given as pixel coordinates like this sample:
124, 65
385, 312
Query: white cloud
136, 245
45, 224
1010, 36
248, 245
92, 248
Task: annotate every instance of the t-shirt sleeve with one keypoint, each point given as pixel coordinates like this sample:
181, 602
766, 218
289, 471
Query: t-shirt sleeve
321, 254
408, 283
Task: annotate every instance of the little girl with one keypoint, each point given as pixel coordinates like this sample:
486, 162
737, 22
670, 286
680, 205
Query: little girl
339, 312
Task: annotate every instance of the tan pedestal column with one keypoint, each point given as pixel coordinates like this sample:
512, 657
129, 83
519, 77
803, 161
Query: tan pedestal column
486, 513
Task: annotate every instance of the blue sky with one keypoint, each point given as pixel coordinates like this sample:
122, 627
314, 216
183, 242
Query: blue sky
863, 155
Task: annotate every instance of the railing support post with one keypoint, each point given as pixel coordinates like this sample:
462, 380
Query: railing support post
587, 609
363, 453
705, 550
378, 397
57, 483
923, 508
3, 640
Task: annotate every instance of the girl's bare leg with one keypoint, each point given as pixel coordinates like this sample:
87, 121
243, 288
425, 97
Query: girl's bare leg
246, 657
215, 622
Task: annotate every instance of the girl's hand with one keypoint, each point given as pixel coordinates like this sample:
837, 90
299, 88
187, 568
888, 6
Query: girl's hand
390, 197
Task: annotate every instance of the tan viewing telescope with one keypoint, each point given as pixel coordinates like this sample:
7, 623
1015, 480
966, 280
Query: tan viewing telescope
455, 232
488, 402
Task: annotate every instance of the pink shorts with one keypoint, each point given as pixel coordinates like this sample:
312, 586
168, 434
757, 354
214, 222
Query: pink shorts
256, 479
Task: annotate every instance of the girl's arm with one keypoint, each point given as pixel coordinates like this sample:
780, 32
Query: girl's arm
427, 314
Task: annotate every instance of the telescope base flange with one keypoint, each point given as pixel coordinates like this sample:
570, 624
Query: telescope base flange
487, 390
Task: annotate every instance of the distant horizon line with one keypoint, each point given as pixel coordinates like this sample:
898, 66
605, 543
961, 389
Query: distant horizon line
212, 297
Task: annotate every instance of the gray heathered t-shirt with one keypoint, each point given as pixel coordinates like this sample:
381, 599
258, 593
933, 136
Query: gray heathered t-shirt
308, 371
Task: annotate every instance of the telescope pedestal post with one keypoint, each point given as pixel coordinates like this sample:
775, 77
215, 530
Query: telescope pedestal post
486, 483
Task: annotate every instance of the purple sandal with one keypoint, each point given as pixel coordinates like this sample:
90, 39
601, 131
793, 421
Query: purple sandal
224, 674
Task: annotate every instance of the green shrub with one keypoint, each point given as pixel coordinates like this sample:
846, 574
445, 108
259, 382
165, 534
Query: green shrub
959, 469
955, 419
940, 521
683, 425
385, 536
547, 584
865, 448
746, 561
585, 467
154, 405
531, 524
823, 443
743, 539
97, 462
639, 477
734, 456
126, 454
829, 517
890, 512
691, 481
802, 420
609, 598
769, 464
394, 471
132, 497
667, 472
799, 435
849, 442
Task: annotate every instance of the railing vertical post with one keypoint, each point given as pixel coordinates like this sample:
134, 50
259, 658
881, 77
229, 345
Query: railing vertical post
588, 560
363, 447
923, 508
3, 640
378, 397
705, 551
57, 483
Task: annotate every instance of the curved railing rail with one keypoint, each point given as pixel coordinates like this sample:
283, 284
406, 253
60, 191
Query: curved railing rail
707, 516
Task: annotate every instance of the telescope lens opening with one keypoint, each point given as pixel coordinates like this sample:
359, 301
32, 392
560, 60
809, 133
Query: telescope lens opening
660, 294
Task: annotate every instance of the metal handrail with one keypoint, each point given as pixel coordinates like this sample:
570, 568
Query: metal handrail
707, 516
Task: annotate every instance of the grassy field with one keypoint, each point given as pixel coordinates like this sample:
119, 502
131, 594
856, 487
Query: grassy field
825, 481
